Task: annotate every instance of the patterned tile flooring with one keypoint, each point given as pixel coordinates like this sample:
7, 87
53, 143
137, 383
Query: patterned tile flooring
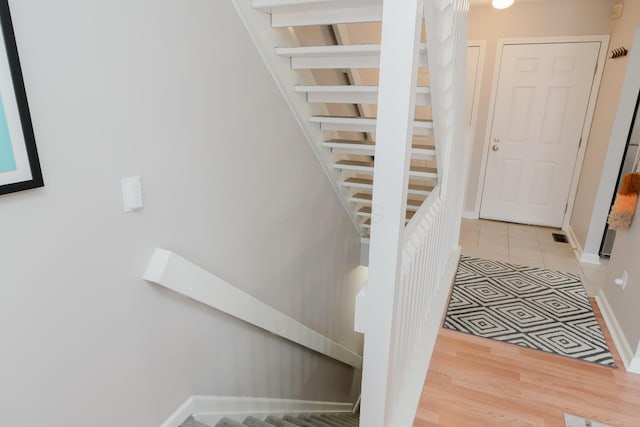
528, 245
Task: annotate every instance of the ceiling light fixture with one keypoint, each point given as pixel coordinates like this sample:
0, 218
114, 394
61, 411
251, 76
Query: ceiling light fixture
501, 4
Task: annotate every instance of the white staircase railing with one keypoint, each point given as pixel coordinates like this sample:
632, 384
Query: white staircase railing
171, 271
411, 269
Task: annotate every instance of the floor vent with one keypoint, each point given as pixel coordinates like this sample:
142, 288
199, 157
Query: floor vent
557, 237
573, 421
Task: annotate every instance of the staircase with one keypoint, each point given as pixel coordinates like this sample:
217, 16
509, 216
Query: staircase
325, 56
382, 108
297, 420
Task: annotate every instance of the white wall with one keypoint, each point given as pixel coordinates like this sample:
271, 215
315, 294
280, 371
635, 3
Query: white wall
545, 18
175, 92
625, 304
624, 78
597, 182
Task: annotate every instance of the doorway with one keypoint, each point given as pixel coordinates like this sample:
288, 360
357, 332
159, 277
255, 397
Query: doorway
542, 106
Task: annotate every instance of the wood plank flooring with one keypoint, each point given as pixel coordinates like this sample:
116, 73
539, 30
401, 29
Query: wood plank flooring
480, 382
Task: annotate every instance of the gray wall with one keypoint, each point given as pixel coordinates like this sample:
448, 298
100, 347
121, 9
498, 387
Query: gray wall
173, 91
544, 18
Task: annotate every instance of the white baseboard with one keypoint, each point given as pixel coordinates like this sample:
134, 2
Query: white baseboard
180, 414
631, 363
470, 215
590, 258
634, 366
412, 389
580, 254
209, 409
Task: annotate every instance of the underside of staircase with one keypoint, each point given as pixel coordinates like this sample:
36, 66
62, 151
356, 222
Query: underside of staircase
295, 420
332, 52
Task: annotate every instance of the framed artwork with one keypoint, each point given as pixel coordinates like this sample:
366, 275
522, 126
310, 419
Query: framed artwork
19, 164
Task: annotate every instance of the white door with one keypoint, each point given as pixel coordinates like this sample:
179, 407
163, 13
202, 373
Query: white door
541, 103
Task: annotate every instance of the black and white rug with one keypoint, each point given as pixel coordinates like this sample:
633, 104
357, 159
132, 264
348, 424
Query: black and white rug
528, 306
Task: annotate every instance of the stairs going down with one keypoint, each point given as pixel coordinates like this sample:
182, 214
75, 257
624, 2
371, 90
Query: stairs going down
297, 420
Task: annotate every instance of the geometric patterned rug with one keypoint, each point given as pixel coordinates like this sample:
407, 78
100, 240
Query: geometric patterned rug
528, 306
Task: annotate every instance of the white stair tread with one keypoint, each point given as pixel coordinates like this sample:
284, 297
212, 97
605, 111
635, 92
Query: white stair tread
269, 4
367, 166
354, 94
329, 50
365, 124
350, 88
339, 56
336, 88
324, 12
367, 184
354, 165
337, 120
367, 198
366, 212
367, 223
347, 144
368, 147
334, 50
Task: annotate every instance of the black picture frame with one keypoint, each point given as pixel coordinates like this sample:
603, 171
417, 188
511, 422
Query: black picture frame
17, 140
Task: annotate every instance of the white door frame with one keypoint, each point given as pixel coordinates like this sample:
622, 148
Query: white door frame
482, 45
475, 103
604, 45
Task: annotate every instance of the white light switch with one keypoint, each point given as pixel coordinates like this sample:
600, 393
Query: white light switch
616, 11
132, 193
622, 282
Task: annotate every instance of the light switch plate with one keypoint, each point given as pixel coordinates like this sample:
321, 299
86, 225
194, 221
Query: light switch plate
132, 193
625, 278
616, 11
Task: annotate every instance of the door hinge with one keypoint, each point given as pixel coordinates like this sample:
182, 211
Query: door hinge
595, 70
566, 208
580, 143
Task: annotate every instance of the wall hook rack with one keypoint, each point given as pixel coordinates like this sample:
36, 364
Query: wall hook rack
617, 53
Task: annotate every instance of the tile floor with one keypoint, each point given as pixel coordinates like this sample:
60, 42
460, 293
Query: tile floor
527, 245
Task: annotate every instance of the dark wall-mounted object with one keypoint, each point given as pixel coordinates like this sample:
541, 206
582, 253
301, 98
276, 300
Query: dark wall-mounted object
19, 164
617, 53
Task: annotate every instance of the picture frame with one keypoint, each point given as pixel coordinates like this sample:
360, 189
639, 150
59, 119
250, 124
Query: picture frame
19, 163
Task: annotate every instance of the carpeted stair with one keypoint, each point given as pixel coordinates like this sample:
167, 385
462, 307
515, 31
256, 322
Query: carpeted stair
294, 420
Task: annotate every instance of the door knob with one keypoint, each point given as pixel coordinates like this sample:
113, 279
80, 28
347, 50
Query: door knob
495, 147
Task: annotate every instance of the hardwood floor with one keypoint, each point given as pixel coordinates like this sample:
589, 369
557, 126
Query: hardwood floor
480, 382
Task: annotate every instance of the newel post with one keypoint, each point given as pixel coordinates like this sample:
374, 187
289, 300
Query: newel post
401, 26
